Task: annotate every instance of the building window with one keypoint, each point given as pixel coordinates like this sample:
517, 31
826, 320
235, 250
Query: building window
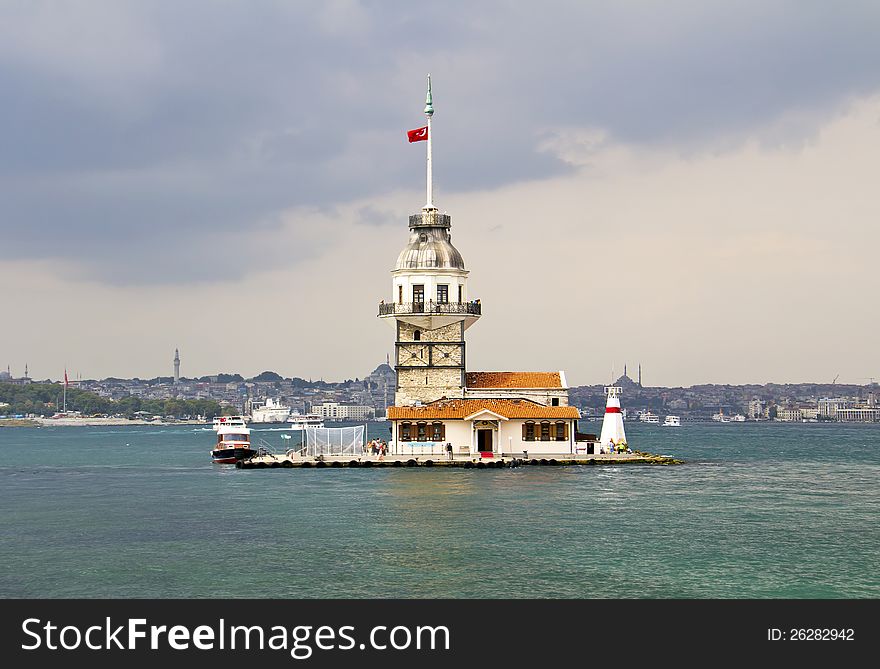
438, 433
418, 294
529, 431
405, 432
417, 335
545, 431
442, 294
460, 292
561, 431
554, 401
422, 432
400, 294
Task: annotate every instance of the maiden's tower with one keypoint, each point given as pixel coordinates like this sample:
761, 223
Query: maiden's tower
437, 401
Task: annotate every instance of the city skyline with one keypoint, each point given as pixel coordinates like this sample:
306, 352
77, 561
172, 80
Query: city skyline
697, 196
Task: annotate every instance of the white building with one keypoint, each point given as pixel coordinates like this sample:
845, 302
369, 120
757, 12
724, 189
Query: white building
828, 406
337, 411
436, 400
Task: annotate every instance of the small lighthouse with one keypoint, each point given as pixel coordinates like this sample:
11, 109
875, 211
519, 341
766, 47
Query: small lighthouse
612, 425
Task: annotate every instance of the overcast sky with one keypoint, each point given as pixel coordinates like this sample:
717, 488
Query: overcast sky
689, 185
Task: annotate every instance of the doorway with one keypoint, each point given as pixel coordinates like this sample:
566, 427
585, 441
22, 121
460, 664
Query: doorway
484, 441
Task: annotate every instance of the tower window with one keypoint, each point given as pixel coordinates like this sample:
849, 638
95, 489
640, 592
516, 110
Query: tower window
417, 335
460, 291
400, 295
554, 401
418, 294
423, 237
442, 294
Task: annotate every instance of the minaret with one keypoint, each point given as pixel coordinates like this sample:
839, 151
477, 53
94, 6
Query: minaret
176, 367
640, 375
429, 305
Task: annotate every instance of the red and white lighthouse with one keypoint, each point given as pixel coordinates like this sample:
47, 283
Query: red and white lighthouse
612, 425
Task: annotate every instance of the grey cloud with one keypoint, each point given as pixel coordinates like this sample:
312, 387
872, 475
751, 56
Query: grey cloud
243, 110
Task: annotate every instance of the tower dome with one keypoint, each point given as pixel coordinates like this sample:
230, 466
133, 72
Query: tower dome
430, 245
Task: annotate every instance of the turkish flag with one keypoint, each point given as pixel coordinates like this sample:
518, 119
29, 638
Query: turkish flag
65, 378
417, 135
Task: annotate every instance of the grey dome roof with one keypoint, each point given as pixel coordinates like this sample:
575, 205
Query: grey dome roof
429, 244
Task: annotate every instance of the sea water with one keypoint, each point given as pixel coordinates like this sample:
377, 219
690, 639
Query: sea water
766, 510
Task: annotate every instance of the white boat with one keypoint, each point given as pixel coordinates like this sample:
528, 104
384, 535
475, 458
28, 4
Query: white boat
233, 421
672, 421
233, 443
270, 411
648, 417
738, 418
301, 421
720, 417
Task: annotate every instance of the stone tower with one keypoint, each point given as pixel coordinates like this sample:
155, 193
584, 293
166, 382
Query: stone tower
176, 366
429, 307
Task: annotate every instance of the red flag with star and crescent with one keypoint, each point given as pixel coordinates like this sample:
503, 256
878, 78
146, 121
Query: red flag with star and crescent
417, 135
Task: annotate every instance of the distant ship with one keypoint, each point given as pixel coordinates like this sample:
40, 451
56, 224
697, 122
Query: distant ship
648, 417
301, 421
672, 421
270, 411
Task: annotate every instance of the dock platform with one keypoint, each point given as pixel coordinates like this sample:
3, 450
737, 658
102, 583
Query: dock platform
300, 462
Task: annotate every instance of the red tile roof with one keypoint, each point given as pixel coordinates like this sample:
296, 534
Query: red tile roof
460, 408
513, 380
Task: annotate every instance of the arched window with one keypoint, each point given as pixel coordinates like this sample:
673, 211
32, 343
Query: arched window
561, 431
417, 335
422, 432
529, 431
437, 432
405, 432
545, 431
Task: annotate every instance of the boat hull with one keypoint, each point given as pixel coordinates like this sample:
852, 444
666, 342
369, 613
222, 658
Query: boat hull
229, 456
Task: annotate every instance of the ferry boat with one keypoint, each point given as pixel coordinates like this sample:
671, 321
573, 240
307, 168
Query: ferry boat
672, 421
270, 411
648, 417
302, 421
233, 444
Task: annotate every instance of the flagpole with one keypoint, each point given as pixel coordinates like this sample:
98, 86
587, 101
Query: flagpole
429, 112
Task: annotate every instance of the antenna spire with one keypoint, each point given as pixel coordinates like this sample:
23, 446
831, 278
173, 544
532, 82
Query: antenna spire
429, 112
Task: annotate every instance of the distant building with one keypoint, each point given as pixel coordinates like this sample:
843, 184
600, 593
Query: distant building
789, 414
756, 408
859, 415
829, 406
337, 411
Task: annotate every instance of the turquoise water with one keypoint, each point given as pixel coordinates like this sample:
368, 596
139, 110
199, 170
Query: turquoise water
759, 511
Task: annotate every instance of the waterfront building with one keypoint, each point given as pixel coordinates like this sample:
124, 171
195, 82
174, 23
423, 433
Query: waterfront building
756, 409
436, 401
337, 411
829, 406
864, 414
789, 414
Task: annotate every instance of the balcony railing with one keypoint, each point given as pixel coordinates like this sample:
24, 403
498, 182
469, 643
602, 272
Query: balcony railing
429, 307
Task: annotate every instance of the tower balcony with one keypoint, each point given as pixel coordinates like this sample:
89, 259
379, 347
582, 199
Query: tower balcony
431, 315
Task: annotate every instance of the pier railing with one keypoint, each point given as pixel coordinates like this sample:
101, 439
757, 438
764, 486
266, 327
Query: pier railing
429, 307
